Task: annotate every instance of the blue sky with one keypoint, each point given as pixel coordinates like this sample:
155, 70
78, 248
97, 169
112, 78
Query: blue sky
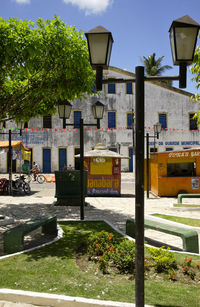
139, 27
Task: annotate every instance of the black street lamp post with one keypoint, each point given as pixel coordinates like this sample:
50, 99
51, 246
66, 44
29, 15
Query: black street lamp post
157, 130
183, 37
133, 129
64, 110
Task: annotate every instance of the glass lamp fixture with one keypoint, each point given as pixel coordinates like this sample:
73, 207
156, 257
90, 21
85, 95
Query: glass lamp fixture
98, 110
183, 38
99, 45
100, 42
157, 129
64, 109
20, 124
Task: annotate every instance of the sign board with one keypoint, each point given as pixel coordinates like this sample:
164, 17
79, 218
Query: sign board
195, 183
104, 175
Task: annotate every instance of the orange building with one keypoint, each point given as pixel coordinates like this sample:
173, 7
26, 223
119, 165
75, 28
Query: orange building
175, 172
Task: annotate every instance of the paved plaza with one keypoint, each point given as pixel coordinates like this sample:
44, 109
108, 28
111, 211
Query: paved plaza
115, 210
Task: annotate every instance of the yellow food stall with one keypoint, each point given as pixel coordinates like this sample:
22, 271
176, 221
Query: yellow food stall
175, 172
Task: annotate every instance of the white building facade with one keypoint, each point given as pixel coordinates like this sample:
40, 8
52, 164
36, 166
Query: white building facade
54, 148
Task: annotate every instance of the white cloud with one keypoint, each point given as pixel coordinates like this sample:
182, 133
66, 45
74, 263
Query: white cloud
23, 1
91, 6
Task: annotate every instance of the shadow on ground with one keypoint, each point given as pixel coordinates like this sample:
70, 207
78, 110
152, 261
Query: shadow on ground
24, 211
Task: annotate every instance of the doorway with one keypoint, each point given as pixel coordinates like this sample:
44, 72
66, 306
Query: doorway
62, 156
130, 153
46, 160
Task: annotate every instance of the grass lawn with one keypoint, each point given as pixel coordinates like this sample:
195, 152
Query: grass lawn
187, 205
182, 220
56, 269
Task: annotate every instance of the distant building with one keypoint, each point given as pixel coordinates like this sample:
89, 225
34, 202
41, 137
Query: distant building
53, 148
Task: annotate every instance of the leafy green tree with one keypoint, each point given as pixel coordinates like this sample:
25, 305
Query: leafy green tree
153, 66
41, 64
195, 69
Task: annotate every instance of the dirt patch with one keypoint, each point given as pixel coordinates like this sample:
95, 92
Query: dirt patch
81, 258
36, 239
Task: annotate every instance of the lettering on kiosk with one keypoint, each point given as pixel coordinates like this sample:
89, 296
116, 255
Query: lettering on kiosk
184, 154
103, 183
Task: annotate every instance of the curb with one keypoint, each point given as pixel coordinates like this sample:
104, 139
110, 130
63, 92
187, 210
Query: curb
55, 300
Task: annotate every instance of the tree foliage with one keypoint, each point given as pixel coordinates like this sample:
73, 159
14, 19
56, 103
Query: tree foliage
153, 66
195, 69
41, 64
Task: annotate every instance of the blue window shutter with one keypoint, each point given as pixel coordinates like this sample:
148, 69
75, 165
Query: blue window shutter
163, 120
77, 117
169, 149
111, 120
129, 120
111, 88
129, 88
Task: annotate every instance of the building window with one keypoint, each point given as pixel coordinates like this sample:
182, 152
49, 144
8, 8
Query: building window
129, 88
47, 121
25, 125
169, 148
163, 120
111, 119
129, 120
181, 169
77, 117
153, 149
111, 88
193, 122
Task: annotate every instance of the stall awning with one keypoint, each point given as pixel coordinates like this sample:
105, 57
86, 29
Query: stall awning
15, 144
100, 150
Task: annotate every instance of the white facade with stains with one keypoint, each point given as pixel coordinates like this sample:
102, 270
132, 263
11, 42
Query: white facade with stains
54, 147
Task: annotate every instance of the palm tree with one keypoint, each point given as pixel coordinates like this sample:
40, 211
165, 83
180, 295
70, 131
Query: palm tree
153, 66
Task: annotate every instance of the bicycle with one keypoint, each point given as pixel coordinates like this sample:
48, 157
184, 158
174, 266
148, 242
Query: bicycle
38, 177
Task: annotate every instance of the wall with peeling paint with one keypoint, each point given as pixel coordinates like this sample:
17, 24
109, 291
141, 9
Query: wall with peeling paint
158, 99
